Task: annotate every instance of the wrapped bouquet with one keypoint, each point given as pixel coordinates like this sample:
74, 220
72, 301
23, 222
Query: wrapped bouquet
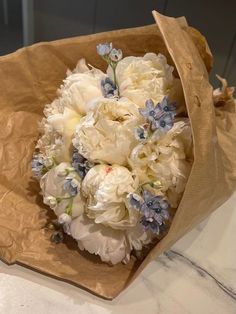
115, 153
135, 149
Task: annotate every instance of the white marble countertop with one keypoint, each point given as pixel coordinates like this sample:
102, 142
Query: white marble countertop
198, 275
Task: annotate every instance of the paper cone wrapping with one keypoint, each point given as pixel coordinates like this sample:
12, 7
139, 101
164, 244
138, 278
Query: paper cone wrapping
29, 80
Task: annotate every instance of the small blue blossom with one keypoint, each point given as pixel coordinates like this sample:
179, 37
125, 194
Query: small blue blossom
112, 56
65, 220
40, 164
135, 201
164, 123
154, 210
167, 106
80, 164
109, 88
57, 237
150, 112
104, 49
160, 116
116, 55
71, 186
141, 132
37, 165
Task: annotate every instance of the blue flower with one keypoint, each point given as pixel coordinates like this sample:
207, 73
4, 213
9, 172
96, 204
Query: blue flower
109, 88
135, 201
154, 210
71, 186
141, 132
116, 55
150, 112
57, 237
160, 116
164, 123
156, 203
166, 106
104, 49
37, 165
80, 164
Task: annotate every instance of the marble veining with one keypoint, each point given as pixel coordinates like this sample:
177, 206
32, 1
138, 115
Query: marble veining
201, 271
197, 276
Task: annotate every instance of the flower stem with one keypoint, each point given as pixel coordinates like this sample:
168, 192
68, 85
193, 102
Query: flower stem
59, 199
69, 207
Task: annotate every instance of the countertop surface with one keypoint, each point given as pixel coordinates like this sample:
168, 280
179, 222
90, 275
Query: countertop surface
198, 275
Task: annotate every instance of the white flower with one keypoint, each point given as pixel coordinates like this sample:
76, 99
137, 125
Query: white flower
50, 201
80, 87
50, 144
142, 78
107, 133
58, 130
55, 107
53, 188
113, 246
165, 160
106, 189
65, 125
64, 219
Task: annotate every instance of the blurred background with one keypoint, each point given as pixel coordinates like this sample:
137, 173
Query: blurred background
24, 22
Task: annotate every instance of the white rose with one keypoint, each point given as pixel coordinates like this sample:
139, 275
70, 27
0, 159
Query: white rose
106, 189
107, 133
165, 161
54, 194
81, 87
143, 78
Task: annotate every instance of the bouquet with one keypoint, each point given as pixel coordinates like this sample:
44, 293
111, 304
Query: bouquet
115, 153
135, 150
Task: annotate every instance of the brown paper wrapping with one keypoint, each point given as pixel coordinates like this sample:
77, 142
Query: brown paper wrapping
29, 79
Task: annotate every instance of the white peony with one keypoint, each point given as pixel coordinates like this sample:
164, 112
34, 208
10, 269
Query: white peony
113, 246
64, 124
142, 78
96, 211
54, 194
81, 86
107, 133
106, 189
165, 160
50, 144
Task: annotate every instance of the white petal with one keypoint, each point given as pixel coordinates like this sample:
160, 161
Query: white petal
109, 244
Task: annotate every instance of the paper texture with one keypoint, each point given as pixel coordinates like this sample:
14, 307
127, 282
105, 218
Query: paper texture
29, 80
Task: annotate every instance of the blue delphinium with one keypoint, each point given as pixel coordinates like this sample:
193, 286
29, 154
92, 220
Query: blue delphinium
109, 88
80, 164
154, 210
160, 116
